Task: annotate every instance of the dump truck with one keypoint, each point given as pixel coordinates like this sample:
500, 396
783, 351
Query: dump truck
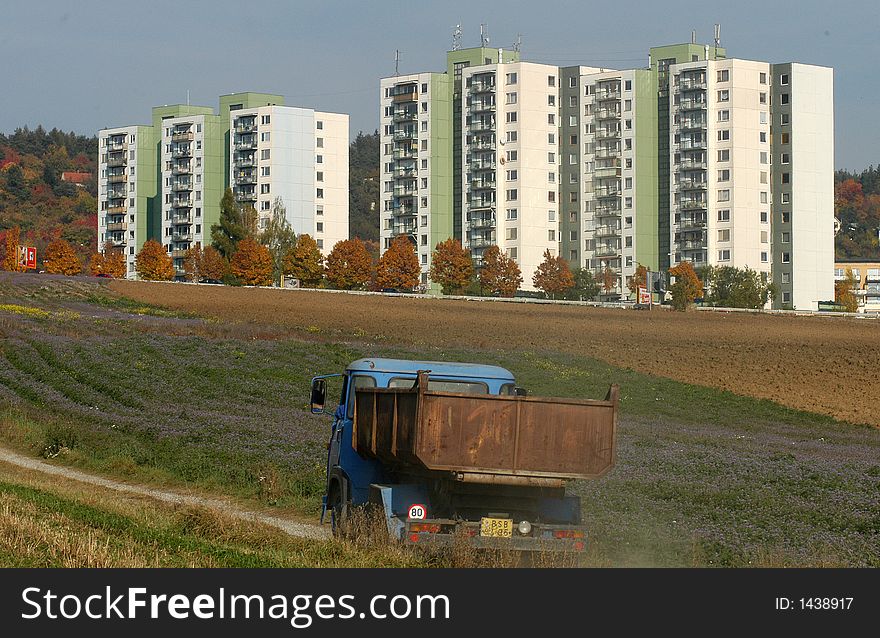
457, 452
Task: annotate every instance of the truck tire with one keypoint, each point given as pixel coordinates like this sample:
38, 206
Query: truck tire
338, 504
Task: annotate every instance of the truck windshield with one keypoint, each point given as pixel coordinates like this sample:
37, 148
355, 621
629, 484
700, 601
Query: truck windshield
463, 387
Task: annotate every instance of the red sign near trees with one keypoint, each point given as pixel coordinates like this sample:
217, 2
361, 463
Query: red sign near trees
27, 257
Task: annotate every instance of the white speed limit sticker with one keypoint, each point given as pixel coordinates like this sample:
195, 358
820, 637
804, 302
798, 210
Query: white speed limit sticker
417, 511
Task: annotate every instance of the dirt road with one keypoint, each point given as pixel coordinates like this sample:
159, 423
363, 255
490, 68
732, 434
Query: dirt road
294, 528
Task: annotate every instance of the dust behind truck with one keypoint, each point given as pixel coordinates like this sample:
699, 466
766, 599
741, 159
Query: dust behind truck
456, 452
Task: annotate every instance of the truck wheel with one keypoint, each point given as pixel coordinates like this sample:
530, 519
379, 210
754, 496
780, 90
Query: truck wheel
338, 511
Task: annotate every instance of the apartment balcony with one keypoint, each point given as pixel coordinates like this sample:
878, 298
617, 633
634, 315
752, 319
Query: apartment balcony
482, 184
117, 179
483, 164
406, 134
179, 253
405, 115
180, 219
607, 114
405, 172
120, 160
692, 125
692, 84
482, 242
608, 210
690, 225
118, 242
181, 235
607, 134
477, 203
182, 136
246, 177
607, 172
408, 153
400, 98
116, 194
607, 94
606, 251
243, 127
607, 153
250, 196
482, 221
692, 244
115, 144
687, 145
403, 210
119, 208
692, 105
181, 169
246, 160
482, 86
482, 106
116, 226
181, 185
692, 204
607, 192
692, 165
246, 145
483, 145
607, 231
481, 126
404, 229
408, 190
692, 185
182, 151
182, 202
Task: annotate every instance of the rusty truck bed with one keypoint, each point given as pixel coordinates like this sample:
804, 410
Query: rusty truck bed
487, 438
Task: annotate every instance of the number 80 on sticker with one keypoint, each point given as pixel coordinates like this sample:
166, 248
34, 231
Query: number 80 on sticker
417, 511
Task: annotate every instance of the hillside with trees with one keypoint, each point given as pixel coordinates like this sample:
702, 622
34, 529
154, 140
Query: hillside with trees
857, 207
34, 197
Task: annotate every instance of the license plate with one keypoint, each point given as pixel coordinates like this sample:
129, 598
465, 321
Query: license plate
496, 527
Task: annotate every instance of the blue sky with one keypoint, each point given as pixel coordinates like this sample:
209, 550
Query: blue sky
90, 64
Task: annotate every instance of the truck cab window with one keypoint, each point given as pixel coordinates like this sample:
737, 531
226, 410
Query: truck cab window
358, 381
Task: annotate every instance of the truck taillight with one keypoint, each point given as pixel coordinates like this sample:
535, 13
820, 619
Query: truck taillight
567, 533
432, 528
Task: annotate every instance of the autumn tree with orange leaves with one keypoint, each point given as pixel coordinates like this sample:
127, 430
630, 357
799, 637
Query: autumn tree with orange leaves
13, 239
638, 280
61, 259
609, 279
153, 263
304, 262
111, 262
252, 263
687, 286
553, 275
349, 265
213, 267
398, 267
451, 267
500, 275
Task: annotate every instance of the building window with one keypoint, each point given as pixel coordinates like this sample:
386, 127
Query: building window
723, 76
512, 175
784, 98
762, 137
319, 177
764, 257
786, 178
511, 98
511, 214
724, 235
724, 96
763, 197
724, 195
724, 135
786, 158
510, 234
551, 80
319, 142
319, 159
786, 218
511, 136
724, 116
551, 196
786, 138
786, 258
724, 175
786, 237
551, 235
319, 125
511, 194
511, 156
762, 78
628, 85
511, 252
320, 193
763, 157
510, 117
786, 198
786, 277
783, 79
784, 118
762, 98
511, 78
724, 155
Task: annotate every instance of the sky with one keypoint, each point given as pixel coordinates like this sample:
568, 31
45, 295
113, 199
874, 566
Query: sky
87, 65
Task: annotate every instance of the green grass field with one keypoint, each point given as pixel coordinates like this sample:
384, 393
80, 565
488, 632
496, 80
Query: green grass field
703, 477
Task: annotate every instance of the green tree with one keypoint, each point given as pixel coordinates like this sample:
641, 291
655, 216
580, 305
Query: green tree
230, 230
363, 179
278, 237
732, 287
586, 287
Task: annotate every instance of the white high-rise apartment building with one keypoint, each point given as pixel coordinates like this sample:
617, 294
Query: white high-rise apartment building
803, 183
298, 155
510, 146
720, 186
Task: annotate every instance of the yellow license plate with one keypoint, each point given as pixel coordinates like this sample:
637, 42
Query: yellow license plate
496, 527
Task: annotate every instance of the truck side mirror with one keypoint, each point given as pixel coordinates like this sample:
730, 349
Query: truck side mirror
520, 392
319, 395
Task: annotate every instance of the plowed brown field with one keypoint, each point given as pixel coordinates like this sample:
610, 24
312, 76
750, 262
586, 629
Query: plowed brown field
821, 364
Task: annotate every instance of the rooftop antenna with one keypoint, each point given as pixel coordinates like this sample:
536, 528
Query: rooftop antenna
456, 37
518, 44
484, 35
187, 97
717, 38
693, 36
396, 62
